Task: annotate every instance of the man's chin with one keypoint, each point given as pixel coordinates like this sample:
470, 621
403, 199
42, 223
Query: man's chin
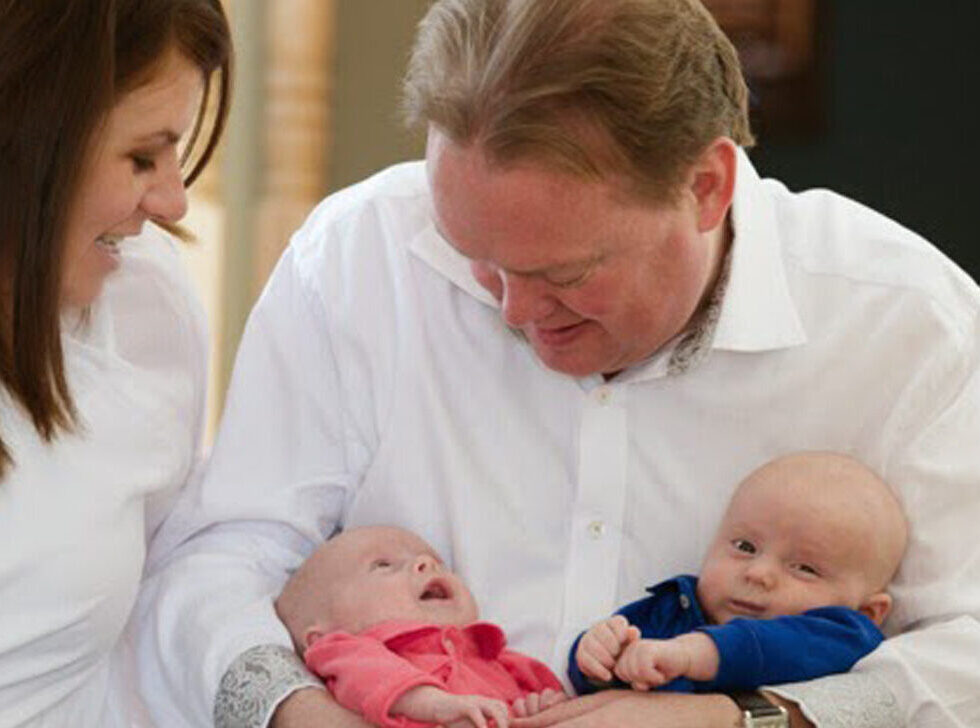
576, 362
569, 363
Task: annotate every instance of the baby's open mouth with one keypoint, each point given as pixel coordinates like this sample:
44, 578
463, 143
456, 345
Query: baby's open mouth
435, 589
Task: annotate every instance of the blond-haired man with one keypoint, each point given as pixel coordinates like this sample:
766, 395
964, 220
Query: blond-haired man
552, 348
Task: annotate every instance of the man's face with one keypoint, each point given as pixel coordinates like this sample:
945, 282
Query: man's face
376, 574
596, 281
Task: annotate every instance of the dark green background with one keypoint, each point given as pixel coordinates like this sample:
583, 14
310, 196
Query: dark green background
901, 129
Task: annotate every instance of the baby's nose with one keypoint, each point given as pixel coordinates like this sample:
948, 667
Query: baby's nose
425, 563
762, 574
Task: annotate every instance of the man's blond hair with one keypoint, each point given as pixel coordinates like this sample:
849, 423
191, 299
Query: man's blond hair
597, 88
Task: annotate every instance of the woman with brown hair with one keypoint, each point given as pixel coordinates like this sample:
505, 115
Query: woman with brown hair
102, 346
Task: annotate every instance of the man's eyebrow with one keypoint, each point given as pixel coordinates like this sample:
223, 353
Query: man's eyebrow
542, 271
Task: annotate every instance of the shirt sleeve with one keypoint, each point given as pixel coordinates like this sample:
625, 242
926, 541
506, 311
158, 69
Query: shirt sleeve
580, 683
256, 683
365, 676
275, 487
754, 652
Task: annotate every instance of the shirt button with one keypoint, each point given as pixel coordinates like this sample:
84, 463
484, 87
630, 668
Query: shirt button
597, 529
685, 601
603, 395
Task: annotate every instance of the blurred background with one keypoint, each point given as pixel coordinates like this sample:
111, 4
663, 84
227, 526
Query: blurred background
869, 99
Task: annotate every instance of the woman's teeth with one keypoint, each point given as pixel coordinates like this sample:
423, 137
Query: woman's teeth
109, 242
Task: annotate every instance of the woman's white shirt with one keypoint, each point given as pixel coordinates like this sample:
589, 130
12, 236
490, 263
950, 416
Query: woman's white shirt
76, 515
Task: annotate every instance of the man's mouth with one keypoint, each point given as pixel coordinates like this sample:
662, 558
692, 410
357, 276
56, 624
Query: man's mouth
560, 335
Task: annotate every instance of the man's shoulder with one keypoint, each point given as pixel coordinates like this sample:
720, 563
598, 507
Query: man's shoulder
829, 240
360, 235
398, 194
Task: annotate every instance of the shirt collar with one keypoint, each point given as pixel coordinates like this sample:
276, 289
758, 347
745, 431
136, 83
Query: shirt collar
751, 309
483, 638
432, 248
757, 312
682, 593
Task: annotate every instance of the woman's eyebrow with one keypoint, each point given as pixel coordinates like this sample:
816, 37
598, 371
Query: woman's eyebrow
164, 137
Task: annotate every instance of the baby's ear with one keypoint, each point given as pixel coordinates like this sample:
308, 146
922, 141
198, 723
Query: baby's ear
311, 635
877, 607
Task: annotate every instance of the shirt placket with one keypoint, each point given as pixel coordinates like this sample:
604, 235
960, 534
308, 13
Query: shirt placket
597, 516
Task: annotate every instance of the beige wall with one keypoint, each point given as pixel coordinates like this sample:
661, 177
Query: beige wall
315, 109
374, 38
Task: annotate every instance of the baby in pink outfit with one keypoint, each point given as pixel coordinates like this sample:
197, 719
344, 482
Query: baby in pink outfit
393, 634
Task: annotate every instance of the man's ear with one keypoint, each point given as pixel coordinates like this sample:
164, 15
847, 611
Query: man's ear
877, 607
712, 182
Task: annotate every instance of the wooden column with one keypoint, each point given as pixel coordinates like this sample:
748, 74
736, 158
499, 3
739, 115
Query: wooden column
298, 84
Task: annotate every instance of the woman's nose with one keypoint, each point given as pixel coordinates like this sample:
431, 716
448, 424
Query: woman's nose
165, 199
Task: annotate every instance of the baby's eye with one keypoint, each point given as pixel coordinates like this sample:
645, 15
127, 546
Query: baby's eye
380, 564
744, 546
807, 569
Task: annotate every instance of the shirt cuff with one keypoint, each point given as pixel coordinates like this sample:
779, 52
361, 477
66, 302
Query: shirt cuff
848, 700
256, 683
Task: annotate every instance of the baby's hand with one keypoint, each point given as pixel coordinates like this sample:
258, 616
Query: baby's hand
428, 704
536, 702
602, 645
647, 664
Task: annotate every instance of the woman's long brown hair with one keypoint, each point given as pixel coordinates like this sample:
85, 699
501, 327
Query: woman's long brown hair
63, 66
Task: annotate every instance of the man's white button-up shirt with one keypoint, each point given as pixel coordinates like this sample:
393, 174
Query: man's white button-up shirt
377, 383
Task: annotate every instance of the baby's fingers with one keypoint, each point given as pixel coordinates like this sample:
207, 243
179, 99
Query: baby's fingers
639, 673
519, 708
592, 666
551, 697
621, 630
497, 711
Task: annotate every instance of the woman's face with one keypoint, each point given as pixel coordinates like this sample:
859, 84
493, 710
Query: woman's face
132, 175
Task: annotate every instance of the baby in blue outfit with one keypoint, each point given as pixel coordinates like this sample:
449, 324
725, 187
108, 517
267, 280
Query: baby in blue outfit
792, 588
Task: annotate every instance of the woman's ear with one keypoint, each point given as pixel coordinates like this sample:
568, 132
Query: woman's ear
877, 607
712, 182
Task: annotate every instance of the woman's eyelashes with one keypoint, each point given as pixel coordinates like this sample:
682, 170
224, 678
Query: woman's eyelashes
143, 162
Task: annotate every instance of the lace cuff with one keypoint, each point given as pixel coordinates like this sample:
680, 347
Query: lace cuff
850, 700
257, 681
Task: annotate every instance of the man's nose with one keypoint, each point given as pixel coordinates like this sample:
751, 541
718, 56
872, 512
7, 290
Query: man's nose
523, 300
